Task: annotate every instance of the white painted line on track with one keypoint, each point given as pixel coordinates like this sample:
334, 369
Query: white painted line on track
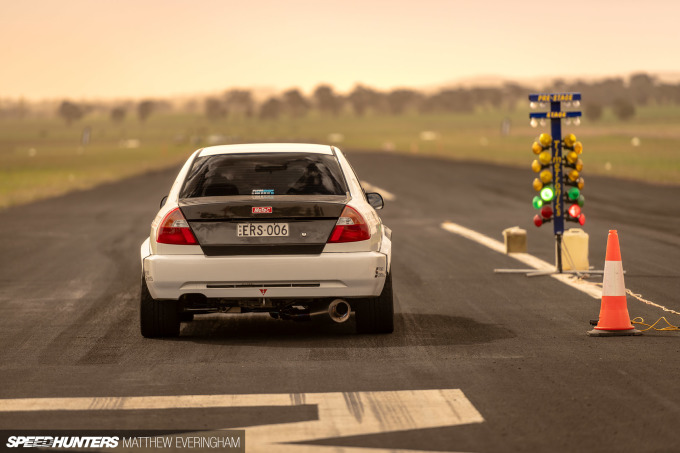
529, 260
143, 402
387, 196
340, 414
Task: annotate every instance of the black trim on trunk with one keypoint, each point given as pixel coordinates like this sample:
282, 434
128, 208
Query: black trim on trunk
258, 249
283, 207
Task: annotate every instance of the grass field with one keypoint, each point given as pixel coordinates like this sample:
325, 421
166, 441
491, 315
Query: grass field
42, 157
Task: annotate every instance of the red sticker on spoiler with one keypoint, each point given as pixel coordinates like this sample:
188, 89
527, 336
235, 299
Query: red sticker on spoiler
262, 210
263, 291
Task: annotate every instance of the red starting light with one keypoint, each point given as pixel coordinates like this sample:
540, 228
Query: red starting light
546, 212
582, 219
538, 220
575, 211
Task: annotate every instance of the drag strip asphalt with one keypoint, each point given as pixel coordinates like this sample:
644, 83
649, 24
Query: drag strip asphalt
513, 347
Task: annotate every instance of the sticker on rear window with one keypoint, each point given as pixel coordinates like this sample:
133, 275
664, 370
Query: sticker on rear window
263, 192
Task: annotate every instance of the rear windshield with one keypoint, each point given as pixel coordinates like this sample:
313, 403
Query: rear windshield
264, 174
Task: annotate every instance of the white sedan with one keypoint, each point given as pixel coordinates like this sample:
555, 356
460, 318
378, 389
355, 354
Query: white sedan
284, 229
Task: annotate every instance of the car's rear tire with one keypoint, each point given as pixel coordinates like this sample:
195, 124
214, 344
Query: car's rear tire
158, 318
376, 314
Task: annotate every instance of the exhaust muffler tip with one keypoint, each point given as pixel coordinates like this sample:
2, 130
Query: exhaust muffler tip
339, 310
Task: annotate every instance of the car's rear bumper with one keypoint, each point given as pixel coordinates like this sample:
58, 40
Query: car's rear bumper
356, 274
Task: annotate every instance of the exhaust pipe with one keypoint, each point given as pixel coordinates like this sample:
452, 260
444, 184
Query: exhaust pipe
339, 310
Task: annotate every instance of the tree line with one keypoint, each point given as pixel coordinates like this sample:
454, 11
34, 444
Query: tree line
71, 111
619, 95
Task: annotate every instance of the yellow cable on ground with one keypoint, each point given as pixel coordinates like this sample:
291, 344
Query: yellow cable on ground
669, 327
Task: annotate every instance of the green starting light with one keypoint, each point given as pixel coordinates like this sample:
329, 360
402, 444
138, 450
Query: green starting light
537, 202
581, 200
574, 193
547, 193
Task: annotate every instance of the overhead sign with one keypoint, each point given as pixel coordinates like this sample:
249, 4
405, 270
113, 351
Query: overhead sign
555, 97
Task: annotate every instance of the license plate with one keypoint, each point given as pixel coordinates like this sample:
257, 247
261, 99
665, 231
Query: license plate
262, 230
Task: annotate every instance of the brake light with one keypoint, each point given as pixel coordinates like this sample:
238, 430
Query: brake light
351, 227
174, 229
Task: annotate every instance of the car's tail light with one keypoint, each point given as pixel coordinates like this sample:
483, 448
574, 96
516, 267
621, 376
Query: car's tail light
351, 227
174, 229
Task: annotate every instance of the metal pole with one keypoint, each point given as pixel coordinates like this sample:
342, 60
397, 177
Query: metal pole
558, 239
557, 168
558, 172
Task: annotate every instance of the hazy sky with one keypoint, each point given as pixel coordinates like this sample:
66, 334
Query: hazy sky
106, 48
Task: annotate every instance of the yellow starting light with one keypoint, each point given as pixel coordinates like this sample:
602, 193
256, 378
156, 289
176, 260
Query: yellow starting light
536, 148
580, 183
546, 176
578, 147
545, 157
573, 175
569, 140
536, 166
579, 165
545, 140
538, 185
572, 157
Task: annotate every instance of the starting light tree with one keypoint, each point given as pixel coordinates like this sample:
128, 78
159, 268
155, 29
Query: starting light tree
558, 164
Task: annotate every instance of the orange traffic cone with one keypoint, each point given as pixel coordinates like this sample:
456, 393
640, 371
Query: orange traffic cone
614, 319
